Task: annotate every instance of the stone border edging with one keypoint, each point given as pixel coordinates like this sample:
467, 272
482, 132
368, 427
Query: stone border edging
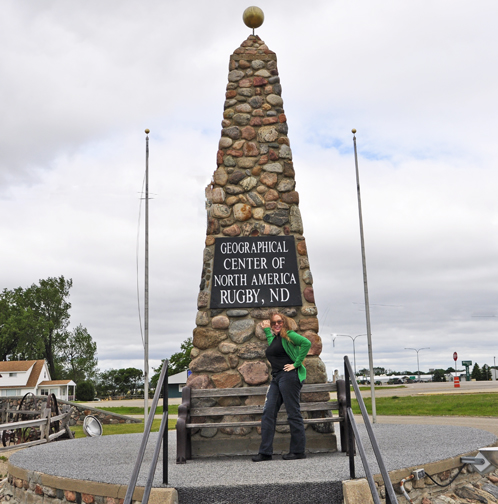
31, 487
358, 492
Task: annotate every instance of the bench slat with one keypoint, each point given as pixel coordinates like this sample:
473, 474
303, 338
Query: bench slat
258, 409
250, 391
256, 423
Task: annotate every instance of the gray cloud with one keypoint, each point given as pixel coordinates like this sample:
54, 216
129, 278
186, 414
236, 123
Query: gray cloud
80, 83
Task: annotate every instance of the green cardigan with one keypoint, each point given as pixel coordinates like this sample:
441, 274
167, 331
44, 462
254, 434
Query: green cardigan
296, 351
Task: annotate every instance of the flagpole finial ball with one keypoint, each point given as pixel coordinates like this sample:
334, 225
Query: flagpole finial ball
253, 17
147, 131
353, 131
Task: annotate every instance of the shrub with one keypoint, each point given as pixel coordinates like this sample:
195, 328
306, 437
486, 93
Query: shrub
85, 391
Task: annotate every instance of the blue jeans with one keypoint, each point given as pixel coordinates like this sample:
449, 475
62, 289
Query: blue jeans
285, 387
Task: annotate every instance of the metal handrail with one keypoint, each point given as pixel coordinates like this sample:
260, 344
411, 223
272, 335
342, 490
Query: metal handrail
353, 429
162, 383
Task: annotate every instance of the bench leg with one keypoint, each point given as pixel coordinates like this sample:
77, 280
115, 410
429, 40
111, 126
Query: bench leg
342, 400
183, 445
181, 441
189, 444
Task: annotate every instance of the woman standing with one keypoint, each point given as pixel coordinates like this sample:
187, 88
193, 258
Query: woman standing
286, 352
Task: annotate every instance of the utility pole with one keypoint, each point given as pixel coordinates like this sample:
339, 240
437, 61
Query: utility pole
146, 293
365, 286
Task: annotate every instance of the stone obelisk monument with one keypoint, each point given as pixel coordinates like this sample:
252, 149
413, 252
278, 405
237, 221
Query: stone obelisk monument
255, 257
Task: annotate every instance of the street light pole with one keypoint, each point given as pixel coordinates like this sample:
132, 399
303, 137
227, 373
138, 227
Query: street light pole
418, 367
353, 339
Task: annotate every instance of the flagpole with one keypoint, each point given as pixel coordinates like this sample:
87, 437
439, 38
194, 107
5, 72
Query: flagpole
365, 286
146, 293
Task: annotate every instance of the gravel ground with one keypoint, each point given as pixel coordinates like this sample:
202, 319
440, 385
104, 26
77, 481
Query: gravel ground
111, 458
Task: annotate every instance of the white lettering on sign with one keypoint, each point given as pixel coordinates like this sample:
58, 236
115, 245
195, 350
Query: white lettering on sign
239, 296
254, 248
230, 280
238, 263
273, 279
280, 295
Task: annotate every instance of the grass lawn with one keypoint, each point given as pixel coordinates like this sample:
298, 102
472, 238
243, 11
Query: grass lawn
434, 405
380, 387
135, 410
109, 430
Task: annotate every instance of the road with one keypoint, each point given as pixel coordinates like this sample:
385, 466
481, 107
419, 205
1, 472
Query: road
471, 387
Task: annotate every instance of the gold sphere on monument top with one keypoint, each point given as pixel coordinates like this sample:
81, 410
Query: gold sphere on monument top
253, 17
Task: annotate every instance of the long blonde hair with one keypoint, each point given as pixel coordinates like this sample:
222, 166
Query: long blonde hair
286, 325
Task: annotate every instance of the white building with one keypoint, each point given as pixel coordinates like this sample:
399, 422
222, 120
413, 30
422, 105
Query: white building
20, 377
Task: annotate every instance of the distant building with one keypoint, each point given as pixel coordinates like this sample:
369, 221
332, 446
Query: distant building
176, 383
17, 378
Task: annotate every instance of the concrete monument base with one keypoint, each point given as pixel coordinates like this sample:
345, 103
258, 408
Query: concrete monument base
226, 445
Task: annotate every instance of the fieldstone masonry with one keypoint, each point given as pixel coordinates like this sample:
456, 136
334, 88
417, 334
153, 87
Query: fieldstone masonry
78, 411
252, 194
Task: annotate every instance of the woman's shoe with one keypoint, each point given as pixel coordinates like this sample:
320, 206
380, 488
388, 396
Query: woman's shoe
293, 456
260, 457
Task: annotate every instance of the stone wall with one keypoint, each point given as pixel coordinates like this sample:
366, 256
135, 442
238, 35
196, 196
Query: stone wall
252, 193
78, 411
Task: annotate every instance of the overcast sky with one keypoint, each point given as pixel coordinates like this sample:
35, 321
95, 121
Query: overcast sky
80, 81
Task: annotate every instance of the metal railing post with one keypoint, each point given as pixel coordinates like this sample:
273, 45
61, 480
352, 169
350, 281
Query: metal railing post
390, 495
349, 427
162, 429
165, 436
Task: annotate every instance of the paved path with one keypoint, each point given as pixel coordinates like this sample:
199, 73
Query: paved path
489, 424
471, 387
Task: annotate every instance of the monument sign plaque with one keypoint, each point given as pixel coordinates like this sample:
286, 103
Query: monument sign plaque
255, 272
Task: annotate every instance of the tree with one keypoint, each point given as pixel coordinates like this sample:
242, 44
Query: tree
20, 327
85, 391
439, 375
130, 380
77, 355
106, 383
34, 324
119, 381
485, 373
379, 370
476, 372
49, 301
178, 362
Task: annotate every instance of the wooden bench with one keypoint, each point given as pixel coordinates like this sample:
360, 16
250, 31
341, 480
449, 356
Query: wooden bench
188, 413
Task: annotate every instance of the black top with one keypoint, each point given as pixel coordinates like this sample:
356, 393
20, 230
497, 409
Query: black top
277, 356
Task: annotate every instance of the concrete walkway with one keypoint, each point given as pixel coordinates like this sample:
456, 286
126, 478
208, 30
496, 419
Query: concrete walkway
489, 424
